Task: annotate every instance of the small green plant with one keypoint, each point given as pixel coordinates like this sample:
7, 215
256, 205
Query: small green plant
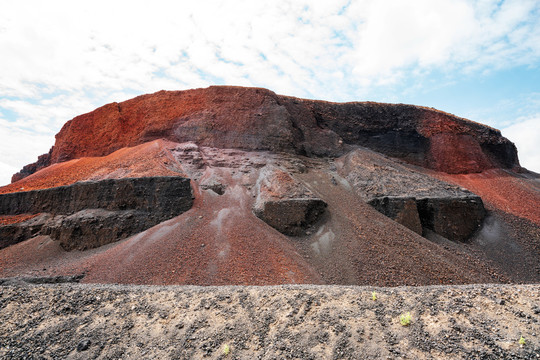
522, 341
226, 349
373, 295
405, 319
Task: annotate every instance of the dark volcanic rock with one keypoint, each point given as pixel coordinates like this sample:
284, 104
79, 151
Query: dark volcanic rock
258, 119
15, 233
285, 204
453, 218
411, 198
291, 216
167, 194
94, 213
400, 209
92, 228
419, 135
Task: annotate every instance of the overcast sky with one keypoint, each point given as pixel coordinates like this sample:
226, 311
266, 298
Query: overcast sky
476, 59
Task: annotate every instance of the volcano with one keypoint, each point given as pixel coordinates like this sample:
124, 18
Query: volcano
232, 185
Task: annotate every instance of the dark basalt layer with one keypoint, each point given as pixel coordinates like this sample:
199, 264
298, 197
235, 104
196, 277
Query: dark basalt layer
164, 195
92, 228
291, 216
94, 213
418, 135
455, 218
400, 209
258, 119
286, 204
15, 233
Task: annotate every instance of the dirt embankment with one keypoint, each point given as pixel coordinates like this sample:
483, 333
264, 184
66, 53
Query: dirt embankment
278, 322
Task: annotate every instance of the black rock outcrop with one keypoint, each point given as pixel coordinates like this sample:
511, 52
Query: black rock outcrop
412, 198
94, 213
285, 204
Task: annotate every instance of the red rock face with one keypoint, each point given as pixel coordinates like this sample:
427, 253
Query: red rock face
258, 119
217, 116
454, 153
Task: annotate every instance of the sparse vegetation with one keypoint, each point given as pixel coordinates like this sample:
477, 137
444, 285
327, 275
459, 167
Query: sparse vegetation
226, 349
522, 341
373, 295
405, 319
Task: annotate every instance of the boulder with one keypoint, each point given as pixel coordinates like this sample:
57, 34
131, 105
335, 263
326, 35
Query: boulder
400, 209
286, 204
455, 218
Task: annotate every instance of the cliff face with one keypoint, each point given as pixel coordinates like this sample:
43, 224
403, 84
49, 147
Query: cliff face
258, 119
272, 190
94, 213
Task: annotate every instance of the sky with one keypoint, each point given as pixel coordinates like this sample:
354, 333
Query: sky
476, 59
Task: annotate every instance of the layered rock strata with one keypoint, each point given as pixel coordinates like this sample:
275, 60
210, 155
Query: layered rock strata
411, 198
94, 213
258, 119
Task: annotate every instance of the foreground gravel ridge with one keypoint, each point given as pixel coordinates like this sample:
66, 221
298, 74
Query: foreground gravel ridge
81, 321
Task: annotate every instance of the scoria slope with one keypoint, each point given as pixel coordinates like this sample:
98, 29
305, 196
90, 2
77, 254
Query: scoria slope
283, 190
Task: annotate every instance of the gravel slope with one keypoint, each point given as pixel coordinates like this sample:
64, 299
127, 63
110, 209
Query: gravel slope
79, 321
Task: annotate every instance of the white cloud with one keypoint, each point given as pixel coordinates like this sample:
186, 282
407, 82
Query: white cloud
6, 171
525, 134
19, 147
62, 58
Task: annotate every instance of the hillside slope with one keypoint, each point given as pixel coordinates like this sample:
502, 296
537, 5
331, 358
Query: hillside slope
288, 191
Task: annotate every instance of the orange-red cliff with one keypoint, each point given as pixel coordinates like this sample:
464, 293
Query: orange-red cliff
258, 119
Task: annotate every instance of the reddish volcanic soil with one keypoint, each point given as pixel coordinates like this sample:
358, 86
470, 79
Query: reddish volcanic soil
149, 159
220, 241
502, 190
14, 219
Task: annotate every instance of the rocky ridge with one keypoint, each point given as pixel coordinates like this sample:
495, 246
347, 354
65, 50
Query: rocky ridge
258, 119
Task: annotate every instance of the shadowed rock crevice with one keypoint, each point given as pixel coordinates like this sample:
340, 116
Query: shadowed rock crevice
94, 213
